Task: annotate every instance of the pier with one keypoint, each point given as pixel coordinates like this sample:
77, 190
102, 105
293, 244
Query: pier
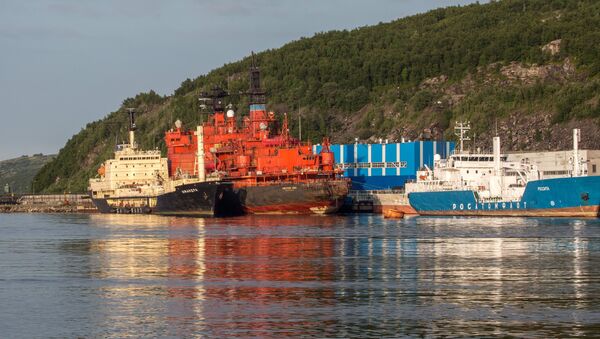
47, 203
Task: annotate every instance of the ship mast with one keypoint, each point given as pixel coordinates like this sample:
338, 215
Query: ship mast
460, 130
256, 93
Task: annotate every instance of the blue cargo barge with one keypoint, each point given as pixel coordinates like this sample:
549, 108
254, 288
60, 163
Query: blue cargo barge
488, 185
561, 197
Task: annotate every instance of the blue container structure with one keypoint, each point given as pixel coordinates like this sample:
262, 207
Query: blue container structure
384, 166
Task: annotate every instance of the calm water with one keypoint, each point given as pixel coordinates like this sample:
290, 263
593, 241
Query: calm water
347, 276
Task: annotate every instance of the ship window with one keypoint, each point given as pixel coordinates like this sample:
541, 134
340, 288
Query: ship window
594, 168
476, 171
467, 171
490, 171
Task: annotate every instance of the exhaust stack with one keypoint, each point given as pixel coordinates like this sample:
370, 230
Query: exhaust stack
132, 127
576, 162
497, 155
200, 153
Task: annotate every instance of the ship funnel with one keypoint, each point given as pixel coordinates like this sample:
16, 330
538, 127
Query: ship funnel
576, 162
132, 126
497, 155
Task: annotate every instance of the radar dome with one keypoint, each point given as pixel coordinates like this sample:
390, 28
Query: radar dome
230, 113
178, 123
263, 126
437, 157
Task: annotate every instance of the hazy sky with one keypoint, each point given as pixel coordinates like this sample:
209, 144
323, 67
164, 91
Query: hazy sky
64, 63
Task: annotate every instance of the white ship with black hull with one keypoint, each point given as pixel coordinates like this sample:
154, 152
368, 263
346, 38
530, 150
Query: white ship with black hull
137, 182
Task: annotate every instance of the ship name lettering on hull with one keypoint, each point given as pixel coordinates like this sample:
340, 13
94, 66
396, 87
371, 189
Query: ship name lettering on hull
490, 206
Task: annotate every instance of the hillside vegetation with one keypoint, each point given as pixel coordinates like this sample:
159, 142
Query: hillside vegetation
19, 172
528, 70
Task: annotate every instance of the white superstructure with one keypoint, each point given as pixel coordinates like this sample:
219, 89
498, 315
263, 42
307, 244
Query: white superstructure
558, 164
132, 172
490, 174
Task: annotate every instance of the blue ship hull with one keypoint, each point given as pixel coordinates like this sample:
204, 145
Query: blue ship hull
561, 197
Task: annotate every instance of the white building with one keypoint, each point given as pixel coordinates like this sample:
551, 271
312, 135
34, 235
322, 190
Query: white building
559, 163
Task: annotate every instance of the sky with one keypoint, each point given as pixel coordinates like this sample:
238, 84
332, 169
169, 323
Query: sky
64, 63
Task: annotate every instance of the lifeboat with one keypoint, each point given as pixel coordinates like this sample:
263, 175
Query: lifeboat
393, 214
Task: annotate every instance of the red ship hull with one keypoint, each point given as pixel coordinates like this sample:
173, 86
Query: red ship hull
322, 197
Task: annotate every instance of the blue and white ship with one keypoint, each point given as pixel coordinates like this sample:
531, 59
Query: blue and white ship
488, 185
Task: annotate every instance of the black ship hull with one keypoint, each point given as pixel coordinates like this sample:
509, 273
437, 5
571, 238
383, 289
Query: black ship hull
204, 199
321, 197
124, 205
200, 199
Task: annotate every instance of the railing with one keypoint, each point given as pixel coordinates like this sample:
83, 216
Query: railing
352, 165
308, 183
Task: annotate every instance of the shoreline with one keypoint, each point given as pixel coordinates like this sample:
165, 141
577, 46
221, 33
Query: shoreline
48, 209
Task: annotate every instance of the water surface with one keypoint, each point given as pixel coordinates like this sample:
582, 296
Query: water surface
278, 276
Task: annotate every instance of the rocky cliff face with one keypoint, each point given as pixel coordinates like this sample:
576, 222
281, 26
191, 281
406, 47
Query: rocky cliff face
528, 124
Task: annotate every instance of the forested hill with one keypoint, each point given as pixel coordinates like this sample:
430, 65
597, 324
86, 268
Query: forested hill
527, 69
19, 172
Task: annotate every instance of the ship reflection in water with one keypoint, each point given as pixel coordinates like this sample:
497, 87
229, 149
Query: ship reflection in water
278, 276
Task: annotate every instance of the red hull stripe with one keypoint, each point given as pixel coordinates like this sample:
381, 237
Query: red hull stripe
584, 211
297, 208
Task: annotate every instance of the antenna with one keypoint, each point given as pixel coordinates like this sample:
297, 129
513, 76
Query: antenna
299, 126
460, 130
